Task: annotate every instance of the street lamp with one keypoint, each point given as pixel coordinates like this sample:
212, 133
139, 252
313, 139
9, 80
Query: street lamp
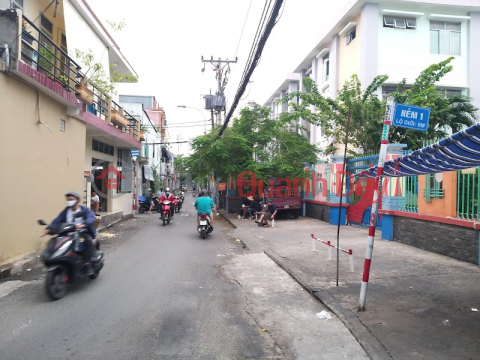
190, 107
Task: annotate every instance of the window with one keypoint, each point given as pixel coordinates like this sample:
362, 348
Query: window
326, 67
102, 147
63, 59
62, 125
399, 22
433, 188
387, 90
449, 93
351, 35
46, 26
445, 38
46, 47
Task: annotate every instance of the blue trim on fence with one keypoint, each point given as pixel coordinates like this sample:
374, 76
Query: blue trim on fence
334, 215
387, 227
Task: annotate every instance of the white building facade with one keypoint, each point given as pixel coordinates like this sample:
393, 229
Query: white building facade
395, 38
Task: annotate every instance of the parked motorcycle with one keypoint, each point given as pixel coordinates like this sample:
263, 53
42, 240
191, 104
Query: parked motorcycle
166, 212
143, 206
64, 260
204, 228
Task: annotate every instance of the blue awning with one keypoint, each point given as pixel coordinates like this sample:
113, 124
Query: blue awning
457, 152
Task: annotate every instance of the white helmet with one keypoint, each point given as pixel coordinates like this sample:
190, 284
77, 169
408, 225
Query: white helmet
167, 189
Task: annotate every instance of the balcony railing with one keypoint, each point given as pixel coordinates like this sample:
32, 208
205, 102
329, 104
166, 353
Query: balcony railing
132, 126
43, 55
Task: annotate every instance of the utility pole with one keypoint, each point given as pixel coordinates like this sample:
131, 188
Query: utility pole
217, 102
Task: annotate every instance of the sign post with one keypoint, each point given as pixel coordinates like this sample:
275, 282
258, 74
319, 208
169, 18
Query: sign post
373, 218
410, 117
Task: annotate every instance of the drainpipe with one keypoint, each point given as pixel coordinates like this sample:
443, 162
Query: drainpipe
6, 62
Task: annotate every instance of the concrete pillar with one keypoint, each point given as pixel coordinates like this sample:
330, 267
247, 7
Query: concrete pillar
368, 44
284, 107
473, 57
301, 87
334, 65
292, 87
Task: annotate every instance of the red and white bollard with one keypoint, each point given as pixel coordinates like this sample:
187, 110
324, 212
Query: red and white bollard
350, 260
349, 252
376, 195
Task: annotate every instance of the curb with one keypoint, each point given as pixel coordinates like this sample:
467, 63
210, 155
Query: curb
372, 346
103, 228
225, 217
29, 262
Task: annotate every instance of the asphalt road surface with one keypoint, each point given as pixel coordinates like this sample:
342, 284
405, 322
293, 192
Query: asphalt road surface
165, 293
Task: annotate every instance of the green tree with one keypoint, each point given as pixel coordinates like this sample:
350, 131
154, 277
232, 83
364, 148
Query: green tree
255, 143
367, 110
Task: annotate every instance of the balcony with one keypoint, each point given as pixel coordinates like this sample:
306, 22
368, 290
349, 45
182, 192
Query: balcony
48, 67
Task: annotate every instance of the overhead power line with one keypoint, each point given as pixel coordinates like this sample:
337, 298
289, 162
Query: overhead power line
256, 53
243, 28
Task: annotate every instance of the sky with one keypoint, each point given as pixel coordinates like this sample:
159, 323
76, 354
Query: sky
164, 41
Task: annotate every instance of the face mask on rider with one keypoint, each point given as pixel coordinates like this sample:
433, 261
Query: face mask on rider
71, 203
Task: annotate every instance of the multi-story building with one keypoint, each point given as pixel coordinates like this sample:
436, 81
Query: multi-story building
396, 38
159, 147
74, 135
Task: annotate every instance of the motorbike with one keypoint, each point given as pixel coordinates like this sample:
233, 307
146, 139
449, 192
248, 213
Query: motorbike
177, 203
143, 206
64, 260
166, 212
204, 228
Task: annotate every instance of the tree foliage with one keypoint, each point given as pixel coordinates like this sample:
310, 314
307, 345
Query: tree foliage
255, 143
367, 110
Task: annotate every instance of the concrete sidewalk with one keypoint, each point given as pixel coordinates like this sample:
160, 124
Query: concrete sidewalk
411, 292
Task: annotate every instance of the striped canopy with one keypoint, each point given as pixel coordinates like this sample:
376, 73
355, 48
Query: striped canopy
457, 152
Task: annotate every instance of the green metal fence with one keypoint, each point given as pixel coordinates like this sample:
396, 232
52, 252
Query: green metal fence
409, 188
355, 165
468, 193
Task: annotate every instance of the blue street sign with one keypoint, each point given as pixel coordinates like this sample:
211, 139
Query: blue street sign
411, 117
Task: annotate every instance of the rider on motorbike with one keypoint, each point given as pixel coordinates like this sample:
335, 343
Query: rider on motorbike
86, 221
204, 205
168, 196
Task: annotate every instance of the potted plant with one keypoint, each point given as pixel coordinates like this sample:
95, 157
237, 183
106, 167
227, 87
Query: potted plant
117, 117
84, 94
143, 130
63, 81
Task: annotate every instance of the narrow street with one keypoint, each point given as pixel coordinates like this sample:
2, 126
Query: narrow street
167, 294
